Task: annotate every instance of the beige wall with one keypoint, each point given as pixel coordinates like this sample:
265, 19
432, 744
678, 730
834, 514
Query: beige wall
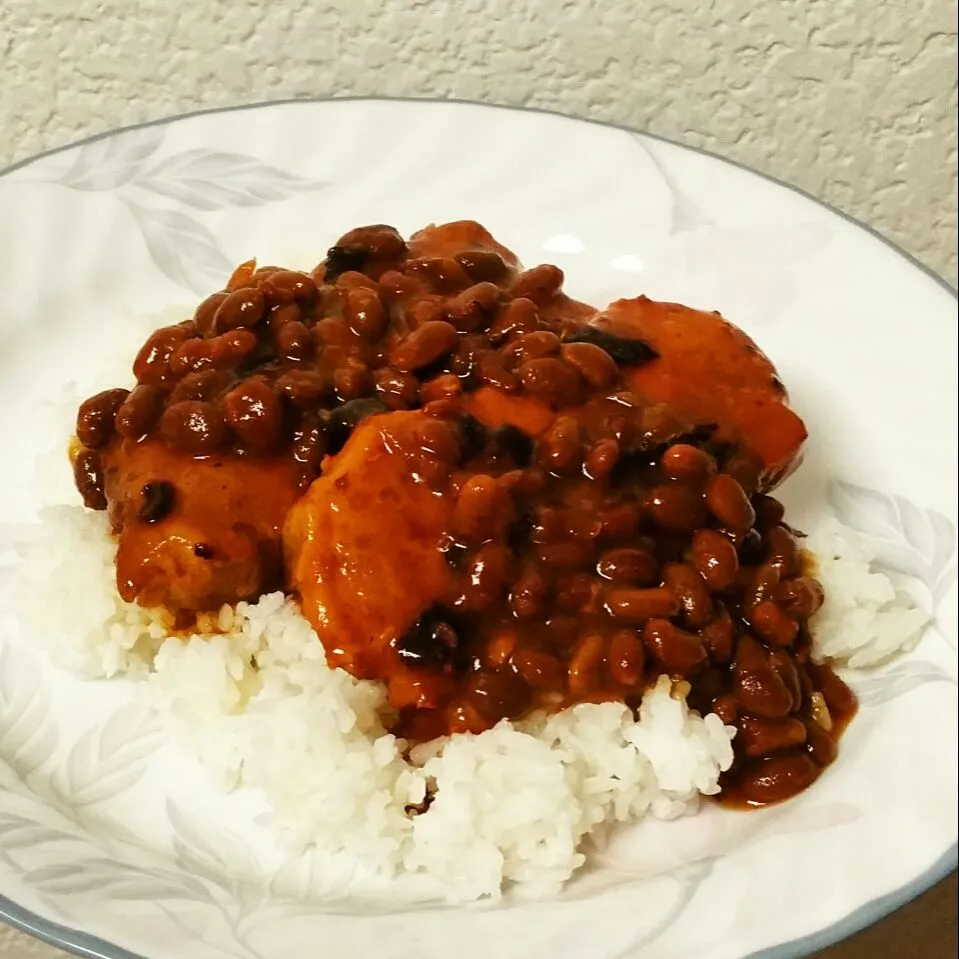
853, 100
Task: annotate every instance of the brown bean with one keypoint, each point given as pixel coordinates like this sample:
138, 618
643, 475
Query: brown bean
253, 412
762, 737
726, 708
560, 448
776, 778
483, 510
293, 341
819, 744
286, 286
241, 275
285, 313
772, 624
601, 460
191, 356
365, 314
783, 663
482, 264
840, 699
442, 273
585, 670
88, 476
618, 521
194, 426
540, 670
719, 635
591, 362
533, 346
309, 446
229, 350
769, 512
626, 658
571, 554
759, 584
425, 345
474, 308
96, 416
499, 693
205, 385
517, 317
500, 647
540, 284
690, 587
629, 565
139, 412
781, 550
714, 558
801, 596
205, 315
639, 605
759, 687
487, 574
242, 309
550, 380
302, 389
491, 369
727, 501
352, 381
676, 506
577, 593
152, 362
528, 594
687, 463
397, 390
680, 653
444, 386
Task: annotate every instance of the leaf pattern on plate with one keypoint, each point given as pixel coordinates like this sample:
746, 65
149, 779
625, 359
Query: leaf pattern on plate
109, 162
28, 736
876, 690
109, 758
183, 249
212, 180
687, 214
908, 539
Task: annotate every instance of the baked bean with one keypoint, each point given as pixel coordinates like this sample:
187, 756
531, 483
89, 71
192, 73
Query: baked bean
675, 506
839, 697
482, 511
491, 369
783, 664
205, 385
533, 346
719, 635
745, 469
444, 386
687, 463
499, 694
629, 565
560, 448
395, 286
284, 313
487, 574
762, 737
678, 652
285, 286
550, 380
593, 364
726, 500
529, 593
442, 273
397, 390
540, 284
242, 275
482, 264
759, 584
352, 381
714, 558
152, 361
759, 687
231, 349
193, 426
578, 593
570, 554
540, 670
693, 594
190, 356
309, 447
801, 596
618, 521
474, 307
365, 314
585, 670
781, 550
601, 460
819, 744
640, 605
302, 389
500, 647
253, 412
205, 315
776, 778
423, 308
769, 512
750, 546
242, 309
425, 345
517, 317
88, 477
293, 341
772, 624
726, 708
96, 416
626, 658
139, 412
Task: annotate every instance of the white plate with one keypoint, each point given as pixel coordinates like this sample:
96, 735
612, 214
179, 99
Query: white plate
112, 845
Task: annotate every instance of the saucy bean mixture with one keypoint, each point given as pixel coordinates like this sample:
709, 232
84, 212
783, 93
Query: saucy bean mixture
485, 494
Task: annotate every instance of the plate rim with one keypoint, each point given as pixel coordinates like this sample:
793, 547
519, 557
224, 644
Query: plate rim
86, 945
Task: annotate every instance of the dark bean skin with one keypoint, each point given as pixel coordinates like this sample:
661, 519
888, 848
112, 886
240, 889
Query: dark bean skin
482, 264
88, 476
241, 309
759, 687
762, 737
253, 412
499, 694
96, 416
801, 596
194, 426
139, 412
157, 500
776, 778
680, 653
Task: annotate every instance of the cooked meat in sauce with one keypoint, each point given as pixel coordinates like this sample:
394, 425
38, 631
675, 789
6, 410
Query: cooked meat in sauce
487, 495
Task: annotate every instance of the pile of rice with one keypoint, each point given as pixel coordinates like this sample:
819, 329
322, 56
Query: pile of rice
255, 699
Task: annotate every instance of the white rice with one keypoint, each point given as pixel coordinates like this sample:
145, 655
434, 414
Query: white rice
260, 707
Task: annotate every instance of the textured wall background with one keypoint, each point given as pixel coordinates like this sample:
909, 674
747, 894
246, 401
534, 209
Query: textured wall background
854, 102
